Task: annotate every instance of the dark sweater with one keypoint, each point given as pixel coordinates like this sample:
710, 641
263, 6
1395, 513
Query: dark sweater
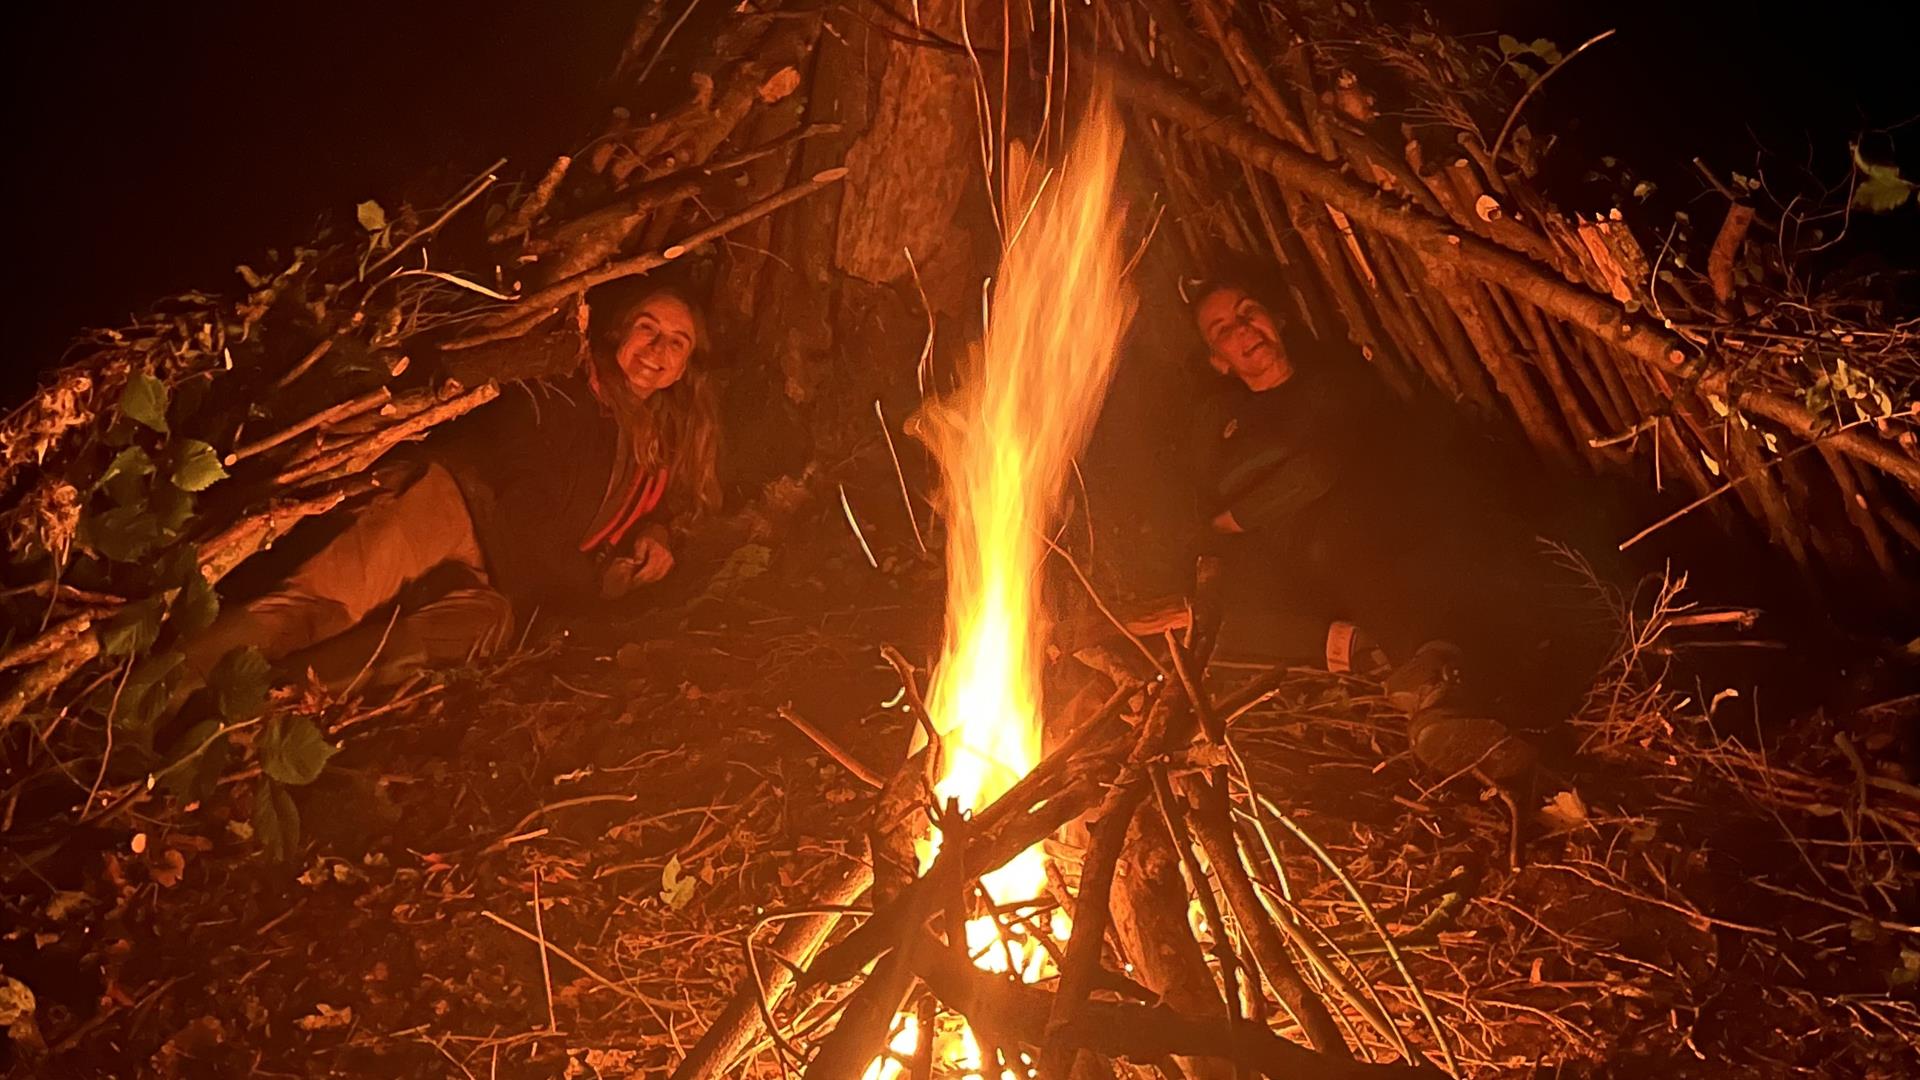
534, 467
1328, 435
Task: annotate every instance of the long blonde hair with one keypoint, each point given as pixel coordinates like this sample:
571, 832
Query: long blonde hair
676, 429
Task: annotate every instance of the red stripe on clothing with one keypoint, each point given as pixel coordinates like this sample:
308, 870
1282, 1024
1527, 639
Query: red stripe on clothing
649, 498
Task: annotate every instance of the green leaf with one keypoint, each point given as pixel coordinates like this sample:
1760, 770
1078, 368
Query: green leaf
675, 891
172, 509
144, 401
292, 750
176, 568
276, 821
123, 534
197, 466
239, 682
194, 779
1883, 190
134, 629
197, 607
371, 217
148, 687
125, 478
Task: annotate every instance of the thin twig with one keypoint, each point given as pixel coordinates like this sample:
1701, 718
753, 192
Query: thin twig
1729, 485
833, 749
1394, 955
1514, 113
352, 407
546, 966
475, 189
569, 958
306, 363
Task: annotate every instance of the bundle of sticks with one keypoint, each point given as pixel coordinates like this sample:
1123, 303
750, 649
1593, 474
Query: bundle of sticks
1145, 770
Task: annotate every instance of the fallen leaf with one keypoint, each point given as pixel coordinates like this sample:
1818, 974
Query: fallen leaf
64, 903
168, 869
1564, 812
784, 82
325, 1018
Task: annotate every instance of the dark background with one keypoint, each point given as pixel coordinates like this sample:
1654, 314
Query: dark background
158, 145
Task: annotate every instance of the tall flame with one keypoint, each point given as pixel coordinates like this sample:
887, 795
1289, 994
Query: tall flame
1005, 443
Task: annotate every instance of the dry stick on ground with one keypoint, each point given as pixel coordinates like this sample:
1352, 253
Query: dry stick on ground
1366, 909
529, 311
833, 749
740, 1024
548, 946
1449, 246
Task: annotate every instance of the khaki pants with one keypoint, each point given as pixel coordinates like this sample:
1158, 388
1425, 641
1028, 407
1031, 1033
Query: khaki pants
318, 618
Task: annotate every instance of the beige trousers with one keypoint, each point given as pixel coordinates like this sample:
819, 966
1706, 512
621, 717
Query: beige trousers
317, 619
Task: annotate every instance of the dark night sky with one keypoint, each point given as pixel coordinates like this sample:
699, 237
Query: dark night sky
157, 145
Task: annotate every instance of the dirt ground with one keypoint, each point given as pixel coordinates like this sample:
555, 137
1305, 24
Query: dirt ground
624, 791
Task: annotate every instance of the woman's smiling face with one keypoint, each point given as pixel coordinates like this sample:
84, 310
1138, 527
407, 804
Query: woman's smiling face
659, 340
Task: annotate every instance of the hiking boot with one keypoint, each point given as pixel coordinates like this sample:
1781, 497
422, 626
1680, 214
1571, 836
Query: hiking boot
1426, 679
1450, 741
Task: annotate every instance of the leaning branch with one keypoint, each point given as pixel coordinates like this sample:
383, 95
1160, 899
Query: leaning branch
1448, 245
528, 312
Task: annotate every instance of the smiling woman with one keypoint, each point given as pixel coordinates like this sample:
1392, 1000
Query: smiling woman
563, 493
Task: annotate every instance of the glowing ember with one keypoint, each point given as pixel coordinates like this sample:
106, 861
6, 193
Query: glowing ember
1005, 442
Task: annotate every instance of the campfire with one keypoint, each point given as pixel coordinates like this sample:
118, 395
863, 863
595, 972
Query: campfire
540, 802
971, 963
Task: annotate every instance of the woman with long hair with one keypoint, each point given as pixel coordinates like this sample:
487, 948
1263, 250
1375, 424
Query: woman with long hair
561, 492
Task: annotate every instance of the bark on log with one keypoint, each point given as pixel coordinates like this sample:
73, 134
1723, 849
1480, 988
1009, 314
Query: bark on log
741, 1023
1214, 829
902, 187
1150, 919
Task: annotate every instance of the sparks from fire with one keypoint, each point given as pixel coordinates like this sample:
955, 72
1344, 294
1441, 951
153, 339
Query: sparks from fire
1005, 442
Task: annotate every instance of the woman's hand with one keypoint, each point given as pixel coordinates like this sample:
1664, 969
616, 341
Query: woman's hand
651, 561
652, 556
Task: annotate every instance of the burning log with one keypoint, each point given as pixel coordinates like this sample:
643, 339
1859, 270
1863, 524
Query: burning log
1140, 1033
1004, 442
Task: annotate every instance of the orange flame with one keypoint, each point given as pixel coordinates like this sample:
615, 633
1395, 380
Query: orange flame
1005, 442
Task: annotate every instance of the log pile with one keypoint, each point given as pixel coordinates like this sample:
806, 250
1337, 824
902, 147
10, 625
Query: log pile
1171, 821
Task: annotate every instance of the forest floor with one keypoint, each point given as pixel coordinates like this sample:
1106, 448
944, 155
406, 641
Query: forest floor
625, 792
